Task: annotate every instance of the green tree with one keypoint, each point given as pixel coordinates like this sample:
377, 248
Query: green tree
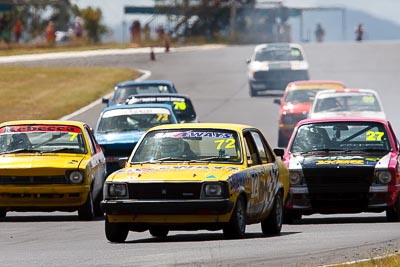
92, 23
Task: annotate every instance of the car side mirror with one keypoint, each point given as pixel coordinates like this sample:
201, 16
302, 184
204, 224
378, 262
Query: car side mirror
105, 100
122, 162
279, 152
277, 101
248, 61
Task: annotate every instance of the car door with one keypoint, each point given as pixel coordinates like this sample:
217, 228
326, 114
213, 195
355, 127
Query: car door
267, 172
97, 163
257, 172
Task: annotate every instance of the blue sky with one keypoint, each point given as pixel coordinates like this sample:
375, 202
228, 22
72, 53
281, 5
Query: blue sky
385, 9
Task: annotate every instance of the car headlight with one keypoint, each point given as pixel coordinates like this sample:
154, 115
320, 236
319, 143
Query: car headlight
295, 177
75, 177
383, 177
117, 190
212, 190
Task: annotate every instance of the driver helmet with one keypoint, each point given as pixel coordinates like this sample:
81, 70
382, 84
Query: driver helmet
172, 147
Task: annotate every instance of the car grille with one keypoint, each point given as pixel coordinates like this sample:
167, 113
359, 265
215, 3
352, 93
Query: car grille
293, 118
30, 180
345, 188
164, 190
286, 75
109, 152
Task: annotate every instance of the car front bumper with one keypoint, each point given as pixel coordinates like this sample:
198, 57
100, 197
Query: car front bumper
378, 198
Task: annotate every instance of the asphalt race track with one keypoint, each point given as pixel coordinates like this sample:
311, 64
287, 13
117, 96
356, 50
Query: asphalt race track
215, 79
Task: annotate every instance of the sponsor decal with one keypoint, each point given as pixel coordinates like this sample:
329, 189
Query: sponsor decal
340, 161
40, 128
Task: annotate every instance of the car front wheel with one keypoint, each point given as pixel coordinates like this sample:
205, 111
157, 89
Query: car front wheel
393, 213
86, 211
272, 225
159, 232
116, 232
252, 91
236, 227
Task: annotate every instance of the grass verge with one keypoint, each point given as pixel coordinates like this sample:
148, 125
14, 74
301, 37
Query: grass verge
50, 93
384, 261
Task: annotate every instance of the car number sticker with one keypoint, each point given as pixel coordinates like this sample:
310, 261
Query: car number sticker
227, 143
374, 136
73, 136
179, 105
162, 117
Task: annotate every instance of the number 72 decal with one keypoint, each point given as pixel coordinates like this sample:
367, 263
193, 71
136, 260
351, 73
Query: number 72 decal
225, 143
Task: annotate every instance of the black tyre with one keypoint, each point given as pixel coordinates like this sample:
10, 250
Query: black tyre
252, 91
159, 232
282, 140
98, 211
236, 227
272, 225
393, 213
290, 217
116, 232
86, 211
3, 213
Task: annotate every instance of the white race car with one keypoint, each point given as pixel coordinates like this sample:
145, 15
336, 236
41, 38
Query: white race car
347, 103
272, 66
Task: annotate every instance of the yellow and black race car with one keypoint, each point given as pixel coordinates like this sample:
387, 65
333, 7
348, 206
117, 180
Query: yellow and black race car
197, 176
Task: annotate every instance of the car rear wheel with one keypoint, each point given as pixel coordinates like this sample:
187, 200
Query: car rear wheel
272, 225
289, 217
159, 232
116, 232
393, 213
236, 227
3, 213
282, 140
86, 211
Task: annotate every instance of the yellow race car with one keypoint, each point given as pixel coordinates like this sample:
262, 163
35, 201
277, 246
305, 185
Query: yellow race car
50, 165
197, 176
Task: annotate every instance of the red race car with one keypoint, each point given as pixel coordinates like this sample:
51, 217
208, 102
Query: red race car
296, 103
343, 165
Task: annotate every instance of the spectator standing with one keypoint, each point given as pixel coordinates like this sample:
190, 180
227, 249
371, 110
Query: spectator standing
18, 28
50, 33
319, 33
359, 31
4, 28
135, 32
160, 33
78, 27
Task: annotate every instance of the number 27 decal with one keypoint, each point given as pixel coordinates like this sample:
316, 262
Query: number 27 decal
228, 143
374, 136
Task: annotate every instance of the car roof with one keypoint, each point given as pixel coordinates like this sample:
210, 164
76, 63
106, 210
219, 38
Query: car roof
346, 91
343, 119
40, 122
277, 45
314, 84
139, 105
160, 95
146, 82
203, 125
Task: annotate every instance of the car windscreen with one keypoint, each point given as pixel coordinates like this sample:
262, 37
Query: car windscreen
135, 119
42, 138
288, 54
348, 102
123, 92
206, 145
301, 96
182, 106
341, 136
